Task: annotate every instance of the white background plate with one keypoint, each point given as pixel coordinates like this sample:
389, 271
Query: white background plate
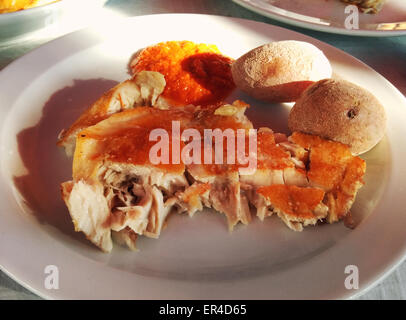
43, 92
329, 16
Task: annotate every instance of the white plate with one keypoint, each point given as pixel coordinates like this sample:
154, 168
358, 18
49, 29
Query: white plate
45, 90
330, 16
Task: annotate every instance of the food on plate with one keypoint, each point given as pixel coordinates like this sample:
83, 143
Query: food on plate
195, 73
118, 192
280, 71
116, 186
16, 5
140, 150
144, 89
367, 6
341, 111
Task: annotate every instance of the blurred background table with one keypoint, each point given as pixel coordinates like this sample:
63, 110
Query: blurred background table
386, 55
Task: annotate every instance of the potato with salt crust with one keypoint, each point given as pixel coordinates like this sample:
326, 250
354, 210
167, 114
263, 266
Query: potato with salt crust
341, 111
280, 71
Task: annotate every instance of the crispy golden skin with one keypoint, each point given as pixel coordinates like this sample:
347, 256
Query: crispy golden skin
333, 169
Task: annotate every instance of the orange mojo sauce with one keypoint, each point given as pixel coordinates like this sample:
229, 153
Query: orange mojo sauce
195, 74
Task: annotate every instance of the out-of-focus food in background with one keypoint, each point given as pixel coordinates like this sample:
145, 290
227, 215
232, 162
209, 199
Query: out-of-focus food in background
367, 6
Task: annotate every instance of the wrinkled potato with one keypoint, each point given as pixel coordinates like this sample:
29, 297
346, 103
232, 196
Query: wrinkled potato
280, 71
341, 111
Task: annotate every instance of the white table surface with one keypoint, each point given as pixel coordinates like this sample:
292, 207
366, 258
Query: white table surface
385, 55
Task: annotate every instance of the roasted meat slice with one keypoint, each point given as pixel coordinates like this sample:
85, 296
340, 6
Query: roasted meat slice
120, 188
143, 89
124, 185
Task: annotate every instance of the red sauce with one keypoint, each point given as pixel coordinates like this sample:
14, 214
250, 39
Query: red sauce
128, 141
